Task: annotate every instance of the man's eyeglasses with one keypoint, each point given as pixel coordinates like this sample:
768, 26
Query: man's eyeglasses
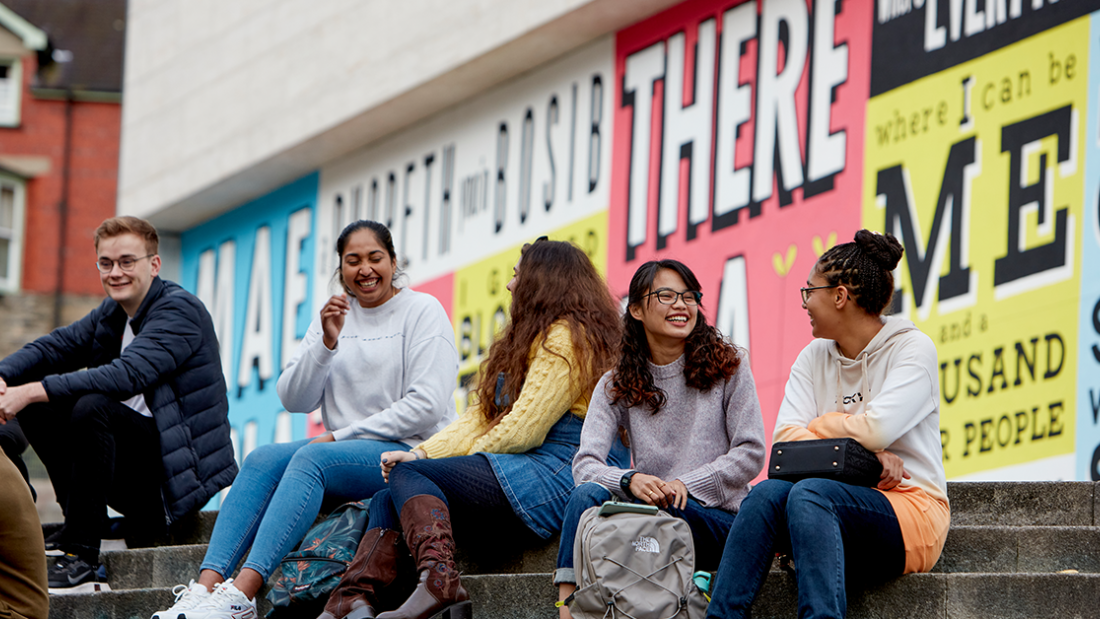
806, 291
126, 263
668, 297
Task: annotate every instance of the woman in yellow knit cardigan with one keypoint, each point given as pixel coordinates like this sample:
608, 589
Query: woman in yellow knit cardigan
504, 467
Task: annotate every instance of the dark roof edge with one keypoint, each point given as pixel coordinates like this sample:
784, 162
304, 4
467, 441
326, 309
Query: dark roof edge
87, 96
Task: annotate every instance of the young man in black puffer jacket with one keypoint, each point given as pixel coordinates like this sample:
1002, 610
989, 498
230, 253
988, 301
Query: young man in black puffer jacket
127, 406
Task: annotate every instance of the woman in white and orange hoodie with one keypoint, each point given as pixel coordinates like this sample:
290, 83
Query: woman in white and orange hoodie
871, 378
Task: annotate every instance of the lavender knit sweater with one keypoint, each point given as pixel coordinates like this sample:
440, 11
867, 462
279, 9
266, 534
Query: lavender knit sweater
713, 441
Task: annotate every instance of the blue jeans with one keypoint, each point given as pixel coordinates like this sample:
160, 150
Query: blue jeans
838, 535
278, 493
478, 506
709, 528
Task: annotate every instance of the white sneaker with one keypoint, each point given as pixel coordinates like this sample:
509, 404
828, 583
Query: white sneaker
225, 602
188, 598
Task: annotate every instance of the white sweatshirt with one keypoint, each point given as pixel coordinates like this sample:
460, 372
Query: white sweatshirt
392, 376
888, 398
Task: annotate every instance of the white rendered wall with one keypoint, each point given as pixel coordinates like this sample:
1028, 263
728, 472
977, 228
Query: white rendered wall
228, 100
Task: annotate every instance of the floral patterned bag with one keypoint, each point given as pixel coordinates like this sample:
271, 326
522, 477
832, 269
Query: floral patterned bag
313, 571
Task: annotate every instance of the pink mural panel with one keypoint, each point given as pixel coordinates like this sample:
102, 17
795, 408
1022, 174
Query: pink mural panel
738, 139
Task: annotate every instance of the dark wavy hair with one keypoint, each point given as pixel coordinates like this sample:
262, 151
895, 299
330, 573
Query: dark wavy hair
556, 281
708, 357
865, 267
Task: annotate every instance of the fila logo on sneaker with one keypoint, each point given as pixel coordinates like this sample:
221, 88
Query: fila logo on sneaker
646, 544
242, 612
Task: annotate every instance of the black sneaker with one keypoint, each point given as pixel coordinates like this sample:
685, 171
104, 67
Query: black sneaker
53, 543
71, 574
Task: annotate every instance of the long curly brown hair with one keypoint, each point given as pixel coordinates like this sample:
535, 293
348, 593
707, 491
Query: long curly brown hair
708, 357
556, 281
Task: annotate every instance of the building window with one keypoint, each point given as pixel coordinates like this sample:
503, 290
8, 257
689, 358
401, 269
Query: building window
11, 83
12, 201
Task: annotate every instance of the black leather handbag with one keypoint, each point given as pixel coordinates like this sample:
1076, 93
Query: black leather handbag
840, 459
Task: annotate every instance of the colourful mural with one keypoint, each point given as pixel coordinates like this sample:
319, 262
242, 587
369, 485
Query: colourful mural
744, 138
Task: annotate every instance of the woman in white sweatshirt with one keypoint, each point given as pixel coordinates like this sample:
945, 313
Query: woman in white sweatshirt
381, 363
867, 377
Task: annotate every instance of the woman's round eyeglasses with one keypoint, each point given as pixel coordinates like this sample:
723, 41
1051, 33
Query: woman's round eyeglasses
668, 297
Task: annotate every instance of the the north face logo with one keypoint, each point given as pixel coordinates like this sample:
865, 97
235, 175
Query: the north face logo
646, 544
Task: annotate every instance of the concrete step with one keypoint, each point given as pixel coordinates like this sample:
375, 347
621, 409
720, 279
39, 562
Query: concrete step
125, 604
969, 549
1020, 550
144, 568
531, 596
972, 504
166, 566
1021, 503
954, 596
506, 596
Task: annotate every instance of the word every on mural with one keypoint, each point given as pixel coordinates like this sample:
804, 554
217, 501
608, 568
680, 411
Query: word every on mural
962, 19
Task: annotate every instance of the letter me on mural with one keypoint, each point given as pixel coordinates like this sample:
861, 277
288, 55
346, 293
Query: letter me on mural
745, 139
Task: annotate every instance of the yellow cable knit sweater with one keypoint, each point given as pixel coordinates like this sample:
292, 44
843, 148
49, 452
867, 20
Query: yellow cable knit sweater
548, 393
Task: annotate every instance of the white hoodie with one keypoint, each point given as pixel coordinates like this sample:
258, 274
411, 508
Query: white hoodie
886, 398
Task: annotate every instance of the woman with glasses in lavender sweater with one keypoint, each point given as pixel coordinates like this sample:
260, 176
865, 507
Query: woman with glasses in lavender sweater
687, 401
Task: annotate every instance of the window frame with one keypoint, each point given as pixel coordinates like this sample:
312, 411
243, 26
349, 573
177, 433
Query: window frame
12, 283
15, 75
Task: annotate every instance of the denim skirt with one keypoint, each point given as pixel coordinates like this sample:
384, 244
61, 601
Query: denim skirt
538, 482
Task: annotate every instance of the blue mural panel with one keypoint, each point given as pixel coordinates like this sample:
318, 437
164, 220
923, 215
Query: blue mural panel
1088, 365
253, 268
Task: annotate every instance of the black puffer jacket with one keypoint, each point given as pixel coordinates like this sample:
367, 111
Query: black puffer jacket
173, 361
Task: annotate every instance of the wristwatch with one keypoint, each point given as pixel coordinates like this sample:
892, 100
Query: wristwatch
624, 483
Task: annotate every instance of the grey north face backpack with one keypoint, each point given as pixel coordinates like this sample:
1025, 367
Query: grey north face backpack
636, 562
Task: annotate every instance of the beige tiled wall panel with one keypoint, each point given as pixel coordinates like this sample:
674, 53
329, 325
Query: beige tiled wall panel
227, 100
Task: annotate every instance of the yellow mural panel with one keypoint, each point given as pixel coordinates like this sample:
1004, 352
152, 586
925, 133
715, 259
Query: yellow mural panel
979, 170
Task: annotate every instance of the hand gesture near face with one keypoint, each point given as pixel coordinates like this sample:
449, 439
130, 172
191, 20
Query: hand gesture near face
332, 319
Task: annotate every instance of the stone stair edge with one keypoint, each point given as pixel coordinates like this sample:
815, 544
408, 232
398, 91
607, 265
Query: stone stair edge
970, 549
969, 495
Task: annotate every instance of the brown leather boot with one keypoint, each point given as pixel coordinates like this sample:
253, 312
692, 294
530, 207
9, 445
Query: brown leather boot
427, 524
374, 567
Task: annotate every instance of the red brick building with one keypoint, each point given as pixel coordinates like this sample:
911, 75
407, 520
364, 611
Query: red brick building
60, 115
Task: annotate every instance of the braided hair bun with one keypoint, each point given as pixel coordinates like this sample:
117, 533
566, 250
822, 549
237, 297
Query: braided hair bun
865, 267
885, 249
